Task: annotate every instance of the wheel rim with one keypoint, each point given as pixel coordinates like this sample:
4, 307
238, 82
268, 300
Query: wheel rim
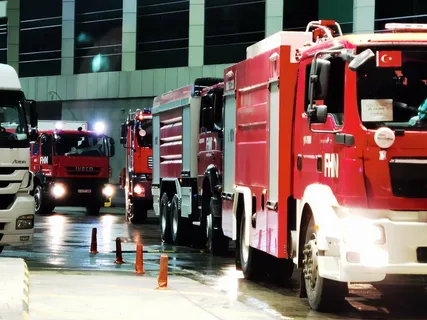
37, 199
209, 232
310, 263
163, 218
175, 220
244, 249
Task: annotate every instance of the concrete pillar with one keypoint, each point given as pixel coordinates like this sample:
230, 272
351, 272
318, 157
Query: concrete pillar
13, 25
67, 53
363, 16
273, 16
196, 27
129, 35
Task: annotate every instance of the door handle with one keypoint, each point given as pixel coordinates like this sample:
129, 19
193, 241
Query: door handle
345, 139
299, 162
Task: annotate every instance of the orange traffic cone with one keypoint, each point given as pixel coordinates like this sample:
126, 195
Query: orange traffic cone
93, 242
139, 263
163, 274
119, 259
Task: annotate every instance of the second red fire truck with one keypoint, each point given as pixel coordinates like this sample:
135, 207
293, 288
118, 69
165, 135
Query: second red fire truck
310, 153
135, 179
71, 167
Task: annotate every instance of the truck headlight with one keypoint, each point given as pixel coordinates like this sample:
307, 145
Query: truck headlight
108, 190
58, 190
25, 222
362, 232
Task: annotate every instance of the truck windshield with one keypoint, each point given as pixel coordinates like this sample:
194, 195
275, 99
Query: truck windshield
13, 125
144, 133
83, 145
392, 89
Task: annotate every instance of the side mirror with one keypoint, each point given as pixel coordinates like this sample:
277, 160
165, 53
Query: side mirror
319, 79
31, 110
123, 135
33, 135
361, 59
319, 114
112, 146
207, 117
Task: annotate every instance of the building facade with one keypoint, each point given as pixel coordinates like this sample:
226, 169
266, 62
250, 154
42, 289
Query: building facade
95, 60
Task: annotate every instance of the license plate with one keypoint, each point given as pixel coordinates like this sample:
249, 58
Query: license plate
84, 191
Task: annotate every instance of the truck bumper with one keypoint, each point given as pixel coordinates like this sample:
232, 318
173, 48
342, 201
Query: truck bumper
77, 192
403, 251
9, 234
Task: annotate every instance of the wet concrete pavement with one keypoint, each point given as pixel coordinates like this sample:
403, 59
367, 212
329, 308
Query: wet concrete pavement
62, 241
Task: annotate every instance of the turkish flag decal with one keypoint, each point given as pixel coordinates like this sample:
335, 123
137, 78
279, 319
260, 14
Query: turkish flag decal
389, 59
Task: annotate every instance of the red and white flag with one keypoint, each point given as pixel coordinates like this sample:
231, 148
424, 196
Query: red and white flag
389, 59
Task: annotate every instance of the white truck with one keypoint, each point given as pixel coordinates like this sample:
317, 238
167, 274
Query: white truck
18, 120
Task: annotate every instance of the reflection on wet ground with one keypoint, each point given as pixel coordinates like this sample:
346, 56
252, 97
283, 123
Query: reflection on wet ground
62, 241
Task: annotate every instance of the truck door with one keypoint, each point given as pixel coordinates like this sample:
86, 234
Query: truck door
210, 143
46, 154
318, 154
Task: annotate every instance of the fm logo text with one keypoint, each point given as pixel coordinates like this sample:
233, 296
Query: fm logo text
44, 160
331, 165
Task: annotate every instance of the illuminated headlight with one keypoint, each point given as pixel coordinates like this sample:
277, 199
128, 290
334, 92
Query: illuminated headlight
138, 189
362, 232
108, 191
58, 190
25, 222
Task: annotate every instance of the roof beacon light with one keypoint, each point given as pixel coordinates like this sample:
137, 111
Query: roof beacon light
99, 127
406, 27
58, 126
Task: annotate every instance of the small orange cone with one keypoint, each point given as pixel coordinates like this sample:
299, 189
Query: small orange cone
93, 242
163, 274
139, 263
119, 259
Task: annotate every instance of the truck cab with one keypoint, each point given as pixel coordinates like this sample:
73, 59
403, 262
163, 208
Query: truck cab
71, 169
135, 179
18, 121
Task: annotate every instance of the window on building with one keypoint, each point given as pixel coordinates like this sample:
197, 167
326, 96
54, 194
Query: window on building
297, 14
230, 27
49, 110
98, 36
410, 11
3, 40
40, 38
162, 34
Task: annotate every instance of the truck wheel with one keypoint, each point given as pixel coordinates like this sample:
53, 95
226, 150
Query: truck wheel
41, 206
93, 210
165, 226
322, 293
179, 226
217, 244
282, 270
248, 255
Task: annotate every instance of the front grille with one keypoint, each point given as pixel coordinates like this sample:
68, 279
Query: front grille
409, 177
150, 162
6, 200
11, 170
83, 171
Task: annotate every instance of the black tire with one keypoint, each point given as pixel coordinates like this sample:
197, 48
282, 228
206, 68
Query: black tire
216, 242
323, 294
248, 255
93, 210
165, 226
282, 270
136, 213
179, 225
42, 205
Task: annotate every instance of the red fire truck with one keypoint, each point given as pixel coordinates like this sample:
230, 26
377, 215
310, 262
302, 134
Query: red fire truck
323, 158
71, 168
135, 179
